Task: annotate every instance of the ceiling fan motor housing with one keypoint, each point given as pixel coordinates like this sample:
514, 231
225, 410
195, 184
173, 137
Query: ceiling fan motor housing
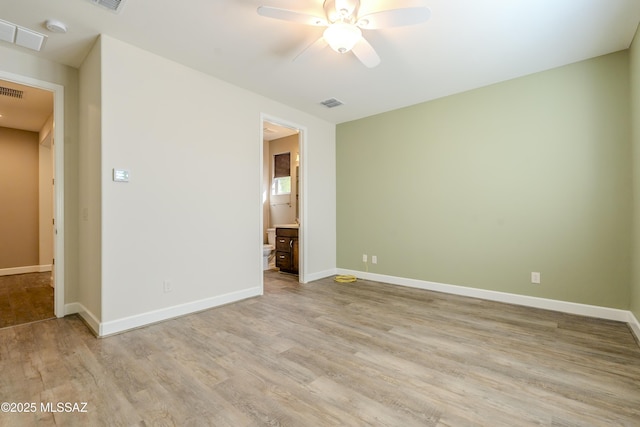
341, 10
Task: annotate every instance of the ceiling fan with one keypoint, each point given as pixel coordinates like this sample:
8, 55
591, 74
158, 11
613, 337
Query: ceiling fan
344, 26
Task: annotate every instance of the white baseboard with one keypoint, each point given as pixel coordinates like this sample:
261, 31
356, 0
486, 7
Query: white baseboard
634, 325
543, 303
144, 319
89, 318
25, 269
310, 277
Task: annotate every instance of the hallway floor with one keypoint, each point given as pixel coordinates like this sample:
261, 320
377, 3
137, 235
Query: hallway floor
25, 298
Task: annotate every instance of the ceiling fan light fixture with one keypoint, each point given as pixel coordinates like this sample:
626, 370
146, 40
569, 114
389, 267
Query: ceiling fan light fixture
344, 25
342, 37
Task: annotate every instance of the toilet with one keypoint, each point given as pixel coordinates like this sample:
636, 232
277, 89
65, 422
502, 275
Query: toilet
268, 258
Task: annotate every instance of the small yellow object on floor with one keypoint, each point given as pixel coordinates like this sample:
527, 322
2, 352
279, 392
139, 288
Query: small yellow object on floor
345, 279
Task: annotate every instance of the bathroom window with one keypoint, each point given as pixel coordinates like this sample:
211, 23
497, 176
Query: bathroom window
281, 183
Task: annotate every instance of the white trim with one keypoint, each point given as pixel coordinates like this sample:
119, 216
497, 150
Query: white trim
58, 135
144, 319
26, 269
634, 325
87, 316
73, 308
310, 277
261, 201
58, 250
547, 304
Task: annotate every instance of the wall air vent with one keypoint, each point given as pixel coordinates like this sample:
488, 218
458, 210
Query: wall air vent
331, 103
13, 93
113, 5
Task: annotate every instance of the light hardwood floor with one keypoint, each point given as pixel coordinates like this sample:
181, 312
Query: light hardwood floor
328, 354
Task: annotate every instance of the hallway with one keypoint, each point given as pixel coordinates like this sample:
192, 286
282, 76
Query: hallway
25, 298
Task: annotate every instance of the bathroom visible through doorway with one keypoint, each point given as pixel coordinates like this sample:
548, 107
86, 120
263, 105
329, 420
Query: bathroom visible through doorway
282, 196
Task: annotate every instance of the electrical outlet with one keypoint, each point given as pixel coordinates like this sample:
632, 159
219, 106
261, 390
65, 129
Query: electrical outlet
374, 259
535, 277
364, 257
166, 286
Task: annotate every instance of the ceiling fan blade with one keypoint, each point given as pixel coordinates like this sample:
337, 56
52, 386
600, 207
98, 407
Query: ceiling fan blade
312, 49
366, 53
394, 18
291, 16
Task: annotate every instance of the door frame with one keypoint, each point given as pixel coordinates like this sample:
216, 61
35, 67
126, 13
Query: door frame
58, 155
302, 189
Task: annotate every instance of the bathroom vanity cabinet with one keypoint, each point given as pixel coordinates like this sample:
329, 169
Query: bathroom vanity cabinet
287, 249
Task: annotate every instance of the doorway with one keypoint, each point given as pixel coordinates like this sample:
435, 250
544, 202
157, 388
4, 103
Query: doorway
282, 197
33, 108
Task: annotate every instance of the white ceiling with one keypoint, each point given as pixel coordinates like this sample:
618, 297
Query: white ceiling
466, 44
271, 131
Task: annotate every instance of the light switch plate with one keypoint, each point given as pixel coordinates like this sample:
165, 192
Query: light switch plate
120, 175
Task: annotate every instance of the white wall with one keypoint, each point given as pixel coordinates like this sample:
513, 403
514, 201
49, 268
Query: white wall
318, 161
191, 212
90, 226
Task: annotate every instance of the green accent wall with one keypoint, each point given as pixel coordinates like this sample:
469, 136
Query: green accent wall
634, 54
482, 188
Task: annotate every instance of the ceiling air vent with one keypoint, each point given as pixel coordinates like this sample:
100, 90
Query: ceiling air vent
13, 93
113, 5
331, 103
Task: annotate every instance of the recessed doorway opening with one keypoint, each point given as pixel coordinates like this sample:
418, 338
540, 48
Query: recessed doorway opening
282, 197
32, 131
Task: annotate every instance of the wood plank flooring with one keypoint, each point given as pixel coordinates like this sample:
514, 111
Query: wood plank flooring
329, 354
25, 298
